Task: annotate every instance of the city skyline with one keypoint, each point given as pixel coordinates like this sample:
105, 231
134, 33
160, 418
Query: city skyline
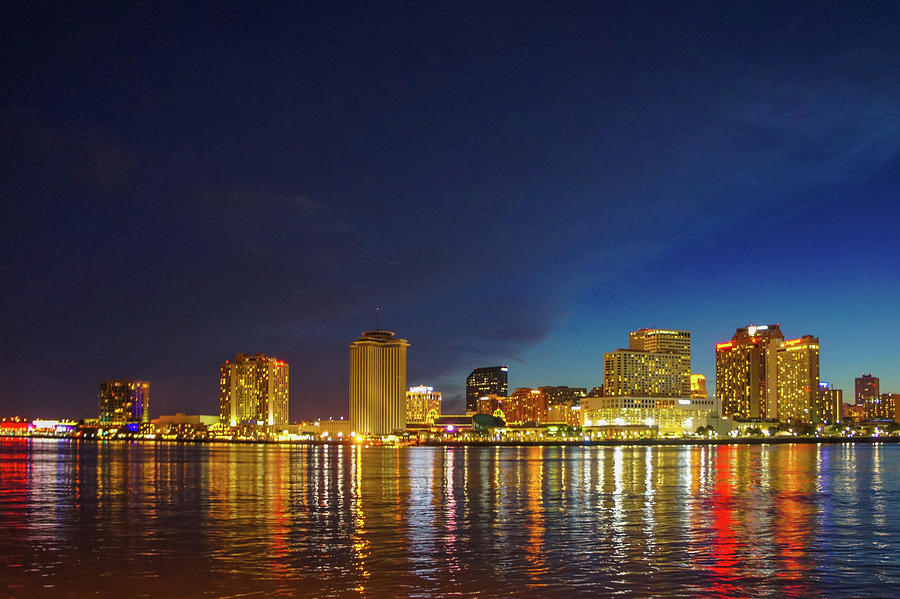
514, 187
670, 345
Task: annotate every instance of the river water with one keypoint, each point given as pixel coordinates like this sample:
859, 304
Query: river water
221, 520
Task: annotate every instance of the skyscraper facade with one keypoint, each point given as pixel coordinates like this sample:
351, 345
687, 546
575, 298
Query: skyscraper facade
253, 390
124, 401
644, 374
378, 384
422, 404
799, 400
492, 380
747, 372
666, 341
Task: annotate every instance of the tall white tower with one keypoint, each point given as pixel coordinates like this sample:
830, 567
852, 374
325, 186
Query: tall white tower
378, 383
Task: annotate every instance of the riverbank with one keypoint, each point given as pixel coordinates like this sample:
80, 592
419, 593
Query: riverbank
666, 442
492, 443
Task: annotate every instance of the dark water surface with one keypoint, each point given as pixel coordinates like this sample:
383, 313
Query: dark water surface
171, 520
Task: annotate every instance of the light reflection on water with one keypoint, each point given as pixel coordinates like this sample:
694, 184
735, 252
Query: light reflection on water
170, 520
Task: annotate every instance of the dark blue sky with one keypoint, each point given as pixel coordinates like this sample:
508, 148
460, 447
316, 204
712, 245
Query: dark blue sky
520, 183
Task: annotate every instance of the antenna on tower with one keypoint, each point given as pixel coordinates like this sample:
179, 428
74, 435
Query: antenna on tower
377, 319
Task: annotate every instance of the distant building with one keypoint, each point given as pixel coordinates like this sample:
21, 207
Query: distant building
378, 383
868, 395
568, 413
894, 398
491, 380
563, 394
657, 416
698, 386
526, 405
322, 428
641, 373
124, 401
866, 388
492, 405
661, 341
253, 390
831, 401
799, 400
747, 372
183, 423
665, 341
853, 412
881, 408
423, 404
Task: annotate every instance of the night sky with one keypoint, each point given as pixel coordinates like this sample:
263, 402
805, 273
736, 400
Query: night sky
518, 183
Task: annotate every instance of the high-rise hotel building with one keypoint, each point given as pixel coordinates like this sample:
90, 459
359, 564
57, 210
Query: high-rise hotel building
378, 383
423, 404
747, 372
481, 382
253, 390
124, 401
799, 399
656, 364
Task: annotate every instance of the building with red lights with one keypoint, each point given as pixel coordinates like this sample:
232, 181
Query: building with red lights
253, 390
867, 394
747, 371
484, 381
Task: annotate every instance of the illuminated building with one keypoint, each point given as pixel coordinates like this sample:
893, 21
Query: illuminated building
854, 412
124, 401
452, 424
866, 387
645, 374
567, 412
658, 416
322, 428
563, 394
253, 390
698, 386
492, 405
526, 405
378, 384
798, 382
492, 380
881, 407
423, 404
747, 372
867, 394
830, 401
894, 399
183, 424
665, 341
